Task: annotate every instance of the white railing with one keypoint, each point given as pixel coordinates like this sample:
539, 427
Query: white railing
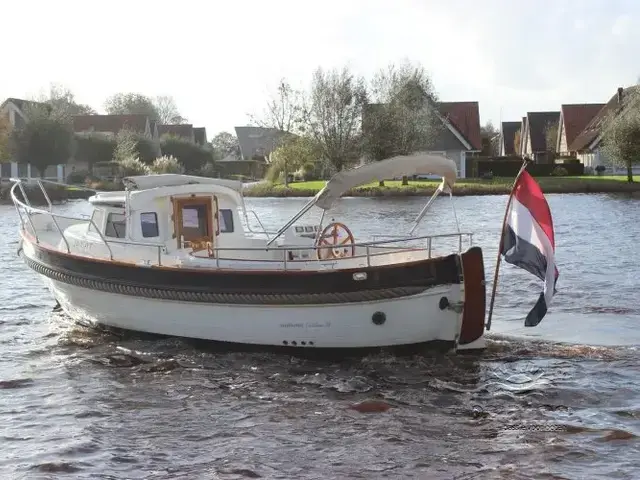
26, 214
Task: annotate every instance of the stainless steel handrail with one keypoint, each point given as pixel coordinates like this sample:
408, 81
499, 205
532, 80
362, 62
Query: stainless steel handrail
161, 248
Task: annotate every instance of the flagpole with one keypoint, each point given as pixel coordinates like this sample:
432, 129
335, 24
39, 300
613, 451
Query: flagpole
501, 244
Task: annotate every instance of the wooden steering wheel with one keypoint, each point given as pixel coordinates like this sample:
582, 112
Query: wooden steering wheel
331, 245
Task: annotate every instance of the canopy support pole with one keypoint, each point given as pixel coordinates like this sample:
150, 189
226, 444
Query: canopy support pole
294, 219
422, 213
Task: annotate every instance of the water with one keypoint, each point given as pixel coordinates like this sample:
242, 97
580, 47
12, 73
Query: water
561, 400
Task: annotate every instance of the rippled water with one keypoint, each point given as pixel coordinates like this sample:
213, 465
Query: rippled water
561, 400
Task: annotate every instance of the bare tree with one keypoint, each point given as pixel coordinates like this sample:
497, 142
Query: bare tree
333, 115
63, 101
167, 110
284, 110
404, 118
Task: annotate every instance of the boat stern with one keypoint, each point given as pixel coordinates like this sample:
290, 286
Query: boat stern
475, 299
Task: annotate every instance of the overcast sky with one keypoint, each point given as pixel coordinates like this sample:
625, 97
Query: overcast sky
220, 59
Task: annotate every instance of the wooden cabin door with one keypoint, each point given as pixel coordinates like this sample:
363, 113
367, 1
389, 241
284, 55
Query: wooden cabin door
196, 222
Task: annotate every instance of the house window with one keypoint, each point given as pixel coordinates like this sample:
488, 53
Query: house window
116, 226
226, 220
149, 224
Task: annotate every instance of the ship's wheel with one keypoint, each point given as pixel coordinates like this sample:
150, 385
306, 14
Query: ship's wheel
335, 241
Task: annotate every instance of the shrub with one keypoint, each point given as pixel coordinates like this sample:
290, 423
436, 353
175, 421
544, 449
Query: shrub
94, 148
559, 172
133, 166
209, 169
192, 157
166, 164
79, 177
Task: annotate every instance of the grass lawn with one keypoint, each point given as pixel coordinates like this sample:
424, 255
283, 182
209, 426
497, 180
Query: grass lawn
464, 186
502, 181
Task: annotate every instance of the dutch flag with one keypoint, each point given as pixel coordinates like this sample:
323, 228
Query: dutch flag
528, 241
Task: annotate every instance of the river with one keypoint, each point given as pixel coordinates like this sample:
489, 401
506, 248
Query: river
559, 401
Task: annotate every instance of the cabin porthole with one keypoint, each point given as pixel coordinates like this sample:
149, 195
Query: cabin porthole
378, 318
444, 303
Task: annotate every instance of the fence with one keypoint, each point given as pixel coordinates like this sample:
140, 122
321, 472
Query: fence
509, 167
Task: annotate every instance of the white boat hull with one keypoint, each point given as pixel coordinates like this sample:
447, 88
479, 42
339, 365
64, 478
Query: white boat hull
409, 320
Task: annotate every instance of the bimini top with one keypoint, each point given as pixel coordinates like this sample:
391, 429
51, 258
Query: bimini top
416, 164
144, 182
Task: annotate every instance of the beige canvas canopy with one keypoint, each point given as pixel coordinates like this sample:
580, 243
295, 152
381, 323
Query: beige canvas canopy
416, 164
143, 182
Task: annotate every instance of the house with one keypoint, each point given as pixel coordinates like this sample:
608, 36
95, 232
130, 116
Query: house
200, 135
181, 130
539, 135
110, 125
588, 143
16, 110
507, 140
255, 147
573, 120
460, 136
257, 143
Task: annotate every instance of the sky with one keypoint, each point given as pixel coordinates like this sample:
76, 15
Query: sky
221, 60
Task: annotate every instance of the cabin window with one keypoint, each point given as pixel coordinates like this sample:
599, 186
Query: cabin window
149, 224
98, 217
225, 218
116, 226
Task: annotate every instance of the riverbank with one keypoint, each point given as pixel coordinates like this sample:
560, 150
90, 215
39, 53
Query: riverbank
56, 193
464, 187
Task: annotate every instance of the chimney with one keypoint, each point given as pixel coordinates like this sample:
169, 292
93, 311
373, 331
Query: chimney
620, 90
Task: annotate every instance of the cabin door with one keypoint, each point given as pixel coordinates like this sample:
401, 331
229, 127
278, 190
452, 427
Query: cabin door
196, 223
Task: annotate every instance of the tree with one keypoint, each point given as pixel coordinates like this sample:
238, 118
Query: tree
333, 116
551, 139
45, 140
225, 143
284, 110
488, 135
131, 104
63, 101
621, 140
94, 148
517, 137
294, 153
5, 130
404, 119
167, 110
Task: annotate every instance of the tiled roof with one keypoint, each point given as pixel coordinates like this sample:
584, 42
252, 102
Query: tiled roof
184, 130
576, 117
509, 130
611, 109
109, 123
538, 123
465, 117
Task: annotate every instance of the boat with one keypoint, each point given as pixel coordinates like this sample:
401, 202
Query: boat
177, 255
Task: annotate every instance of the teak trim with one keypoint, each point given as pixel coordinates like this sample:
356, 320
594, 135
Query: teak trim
180, 202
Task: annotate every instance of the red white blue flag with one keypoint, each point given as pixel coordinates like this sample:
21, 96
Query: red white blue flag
528, 241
